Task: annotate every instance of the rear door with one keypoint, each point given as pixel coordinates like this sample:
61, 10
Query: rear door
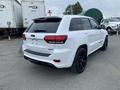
36, 33
80, 28
90, 33
99, 34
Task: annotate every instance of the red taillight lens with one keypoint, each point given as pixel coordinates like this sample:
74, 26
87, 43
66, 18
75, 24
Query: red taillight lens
60, 39
24, 37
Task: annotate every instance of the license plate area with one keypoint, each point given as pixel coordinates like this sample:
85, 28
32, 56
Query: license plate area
35, 41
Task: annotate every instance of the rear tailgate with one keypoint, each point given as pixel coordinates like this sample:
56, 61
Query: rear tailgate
36, 33
38, 43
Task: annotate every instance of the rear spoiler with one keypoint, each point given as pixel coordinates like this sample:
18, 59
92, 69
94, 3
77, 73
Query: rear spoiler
47, 19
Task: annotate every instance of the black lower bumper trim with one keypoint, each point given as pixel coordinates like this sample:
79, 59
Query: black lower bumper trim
39, 62
37, 53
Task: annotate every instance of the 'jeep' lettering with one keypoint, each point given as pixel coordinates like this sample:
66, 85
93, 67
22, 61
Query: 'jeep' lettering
2, 6
33, 7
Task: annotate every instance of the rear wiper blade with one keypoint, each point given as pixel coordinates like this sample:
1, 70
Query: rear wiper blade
39, 30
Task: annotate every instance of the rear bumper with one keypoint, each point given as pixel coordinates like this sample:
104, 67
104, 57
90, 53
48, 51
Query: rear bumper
65, 57
38, 62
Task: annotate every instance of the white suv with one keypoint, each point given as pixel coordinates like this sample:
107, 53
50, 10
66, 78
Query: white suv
63, 42
111, 25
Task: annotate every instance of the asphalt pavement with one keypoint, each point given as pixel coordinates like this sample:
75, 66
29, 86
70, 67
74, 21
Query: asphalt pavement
102, 72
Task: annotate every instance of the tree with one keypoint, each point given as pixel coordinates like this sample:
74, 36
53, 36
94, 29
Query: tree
68, 10
77, 8
73, 9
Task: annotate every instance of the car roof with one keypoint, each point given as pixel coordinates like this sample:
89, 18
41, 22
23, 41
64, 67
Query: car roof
65, 16
76, 16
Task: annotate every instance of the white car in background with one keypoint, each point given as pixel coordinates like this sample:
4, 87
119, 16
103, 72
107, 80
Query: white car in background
63, 42
111, 25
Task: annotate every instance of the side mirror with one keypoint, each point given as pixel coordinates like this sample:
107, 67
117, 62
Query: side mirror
102, 26
98, 27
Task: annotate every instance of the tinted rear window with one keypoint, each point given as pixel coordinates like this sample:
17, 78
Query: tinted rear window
86, 23
45, 26
76, 24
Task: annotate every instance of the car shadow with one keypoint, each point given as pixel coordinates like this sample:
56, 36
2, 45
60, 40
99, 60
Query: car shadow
49, 73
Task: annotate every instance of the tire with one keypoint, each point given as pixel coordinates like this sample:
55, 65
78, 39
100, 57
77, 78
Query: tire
109, 30
80, 61
105, 45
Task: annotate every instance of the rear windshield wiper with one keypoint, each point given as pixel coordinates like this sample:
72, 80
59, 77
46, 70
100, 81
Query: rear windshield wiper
39, 31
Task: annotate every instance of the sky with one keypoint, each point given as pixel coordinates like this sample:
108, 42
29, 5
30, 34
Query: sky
110, 8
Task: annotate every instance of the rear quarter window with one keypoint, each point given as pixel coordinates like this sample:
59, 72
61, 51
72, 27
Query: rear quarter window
78, 24
75, 24
86, 24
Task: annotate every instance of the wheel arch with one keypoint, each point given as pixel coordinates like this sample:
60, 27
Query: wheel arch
108, 27
73, 67
85, 46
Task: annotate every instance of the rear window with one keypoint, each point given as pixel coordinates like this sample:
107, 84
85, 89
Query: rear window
45, 25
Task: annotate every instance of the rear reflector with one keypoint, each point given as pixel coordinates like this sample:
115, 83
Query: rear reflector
54, 39
24, 37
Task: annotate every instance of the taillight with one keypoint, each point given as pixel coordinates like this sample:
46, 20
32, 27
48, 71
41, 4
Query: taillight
24, 37
56, 39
